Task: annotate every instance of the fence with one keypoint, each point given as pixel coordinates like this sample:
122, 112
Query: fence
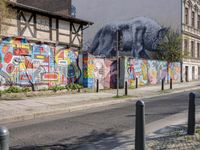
22, 63
147, 71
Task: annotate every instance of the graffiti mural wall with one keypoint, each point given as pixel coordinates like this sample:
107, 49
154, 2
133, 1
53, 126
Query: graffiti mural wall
157, 70
136, 69
150, 71
105, 71
139, 37
23, 63
174, 71
88, 70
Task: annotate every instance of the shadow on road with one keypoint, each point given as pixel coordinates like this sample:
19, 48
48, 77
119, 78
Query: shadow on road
109, 139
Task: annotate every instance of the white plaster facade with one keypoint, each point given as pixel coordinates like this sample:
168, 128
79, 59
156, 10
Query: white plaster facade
191, 39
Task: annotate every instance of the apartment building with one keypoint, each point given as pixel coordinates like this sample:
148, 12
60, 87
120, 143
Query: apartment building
191, 39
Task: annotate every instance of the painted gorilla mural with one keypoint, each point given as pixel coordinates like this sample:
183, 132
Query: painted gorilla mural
140, 37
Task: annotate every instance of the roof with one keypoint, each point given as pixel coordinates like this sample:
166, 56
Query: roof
48, 13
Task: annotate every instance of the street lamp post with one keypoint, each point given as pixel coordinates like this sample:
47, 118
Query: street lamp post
119, 47
118, 63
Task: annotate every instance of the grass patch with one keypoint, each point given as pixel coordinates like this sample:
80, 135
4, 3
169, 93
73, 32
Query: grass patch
198, 131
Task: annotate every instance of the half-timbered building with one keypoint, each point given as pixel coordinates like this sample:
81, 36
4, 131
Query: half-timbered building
39, 25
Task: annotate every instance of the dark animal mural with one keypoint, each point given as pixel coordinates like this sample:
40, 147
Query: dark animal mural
140, 38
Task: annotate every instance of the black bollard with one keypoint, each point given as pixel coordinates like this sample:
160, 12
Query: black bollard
162, 85
4, 138
126, 88
171, 84
191, 114
136, 83
97, 86
139, 126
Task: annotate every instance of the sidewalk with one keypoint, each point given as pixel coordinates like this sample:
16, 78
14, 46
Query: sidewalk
20, 110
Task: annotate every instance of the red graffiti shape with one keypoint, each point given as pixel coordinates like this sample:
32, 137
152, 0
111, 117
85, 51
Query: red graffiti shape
50, 76
8, 57
1, 65
10, 68
25, 77
28, 64
20, 52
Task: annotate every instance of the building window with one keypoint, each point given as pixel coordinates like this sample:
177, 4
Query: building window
198, 21
198, 50
185, 46
193, 19
192, 48
186, 16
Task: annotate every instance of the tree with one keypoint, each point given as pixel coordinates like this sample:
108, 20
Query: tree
170, 50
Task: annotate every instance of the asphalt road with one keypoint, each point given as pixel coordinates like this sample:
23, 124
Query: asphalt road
72, 131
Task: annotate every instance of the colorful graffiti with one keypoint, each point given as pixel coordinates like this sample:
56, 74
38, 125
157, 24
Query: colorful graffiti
88, 70
105, 71
136, 69
174, 71
67, 66
22, 64
150, 71
162, 71
157, 71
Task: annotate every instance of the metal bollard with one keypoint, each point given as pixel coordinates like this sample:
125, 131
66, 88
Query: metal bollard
170, 83
126, 88
97, 86
136, 83
4, 138
139, 128
191, 115
162, 85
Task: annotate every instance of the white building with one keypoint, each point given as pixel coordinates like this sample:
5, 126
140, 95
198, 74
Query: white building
191, 39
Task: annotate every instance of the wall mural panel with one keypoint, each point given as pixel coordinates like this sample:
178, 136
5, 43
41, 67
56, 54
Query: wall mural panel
174, 71
162, 71
22, 64
105, 71
139, 37
150, 71
88, 70
136, 69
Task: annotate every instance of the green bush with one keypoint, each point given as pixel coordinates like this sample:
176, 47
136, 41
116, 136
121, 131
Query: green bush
26, 89
57, 88
2, 92
72, 86
13, 89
